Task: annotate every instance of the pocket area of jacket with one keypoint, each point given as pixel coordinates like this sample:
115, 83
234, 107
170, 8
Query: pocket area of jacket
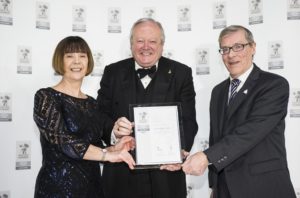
266, 166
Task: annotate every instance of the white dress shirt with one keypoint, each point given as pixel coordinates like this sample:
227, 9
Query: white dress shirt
145, 81
242, 78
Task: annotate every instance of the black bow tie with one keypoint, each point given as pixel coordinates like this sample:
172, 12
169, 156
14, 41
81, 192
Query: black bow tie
143, 72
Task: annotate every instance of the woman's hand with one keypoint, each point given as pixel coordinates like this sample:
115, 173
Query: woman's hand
126, 142
120, 156
119, 152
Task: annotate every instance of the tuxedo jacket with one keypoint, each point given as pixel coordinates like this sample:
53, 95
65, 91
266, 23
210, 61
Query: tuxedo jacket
247, 137
173, 82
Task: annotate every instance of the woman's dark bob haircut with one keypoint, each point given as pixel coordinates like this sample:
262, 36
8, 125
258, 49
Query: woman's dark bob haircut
71, 44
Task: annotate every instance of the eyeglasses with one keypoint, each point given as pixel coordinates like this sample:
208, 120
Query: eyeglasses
236, 48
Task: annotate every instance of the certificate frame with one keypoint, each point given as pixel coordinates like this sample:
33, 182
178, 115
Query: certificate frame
158, 132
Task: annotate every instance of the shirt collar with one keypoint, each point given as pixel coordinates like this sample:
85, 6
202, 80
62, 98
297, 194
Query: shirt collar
137, 66
245, 75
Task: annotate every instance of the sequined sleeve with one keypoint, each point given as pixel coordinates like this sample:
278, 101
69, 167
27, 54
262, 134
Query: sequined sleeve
48, 118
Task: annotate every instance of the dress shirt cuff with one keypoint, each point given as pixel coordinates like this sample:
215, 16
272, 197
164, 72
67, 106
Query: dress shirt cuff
113, 138
209, 162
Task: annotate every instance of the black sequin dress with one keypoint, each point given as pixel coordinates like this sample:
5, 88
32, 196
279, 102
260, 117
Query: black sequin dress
67, 126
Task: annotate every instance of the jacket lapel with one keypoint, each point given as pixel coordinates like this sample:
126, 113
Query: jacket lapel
243, 92
222, 104
164, 74
128, 79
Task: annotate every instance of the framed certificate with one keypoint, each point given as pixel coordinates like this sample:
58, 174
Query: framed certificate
157, 130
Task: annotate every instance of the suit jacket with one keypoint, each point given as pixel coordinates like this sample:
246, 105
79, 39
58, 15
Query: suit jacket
173, 83
247, 137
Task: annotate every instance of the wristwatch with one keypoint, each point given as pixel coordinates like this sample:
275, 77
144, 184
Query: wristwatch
104, 151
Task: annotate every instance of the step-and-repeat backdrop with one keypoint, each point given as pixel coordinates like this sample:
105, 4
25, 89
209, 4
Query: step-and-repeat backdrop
30, 30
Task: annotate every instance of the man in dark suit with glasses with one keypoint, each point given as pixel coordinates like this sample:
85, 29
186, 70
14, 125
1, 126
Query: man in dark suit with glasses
246, 155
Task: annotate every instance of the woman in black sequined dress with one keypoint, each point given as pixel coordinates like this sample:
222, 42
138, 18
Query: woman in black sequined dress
71, 129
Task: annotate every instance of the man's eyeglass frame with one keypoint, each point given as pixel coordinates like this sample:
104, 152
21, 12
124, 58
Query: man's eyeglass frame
236, 48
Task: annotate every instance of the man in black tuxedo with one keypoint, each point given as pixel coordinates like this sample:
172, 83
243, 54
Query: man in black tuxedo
147, 77
246, 155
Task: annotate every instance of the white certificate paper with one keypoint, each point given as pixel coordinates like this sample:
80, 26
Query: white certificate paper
157, 134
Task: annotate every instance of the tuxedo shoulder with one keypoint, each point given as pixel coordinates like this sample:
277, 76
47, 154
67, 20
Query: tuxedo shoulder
121, 62
175, 63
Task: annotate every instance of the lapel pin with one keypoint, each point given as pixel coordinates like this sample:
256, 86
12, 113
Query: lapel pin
169, 72
246, 91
